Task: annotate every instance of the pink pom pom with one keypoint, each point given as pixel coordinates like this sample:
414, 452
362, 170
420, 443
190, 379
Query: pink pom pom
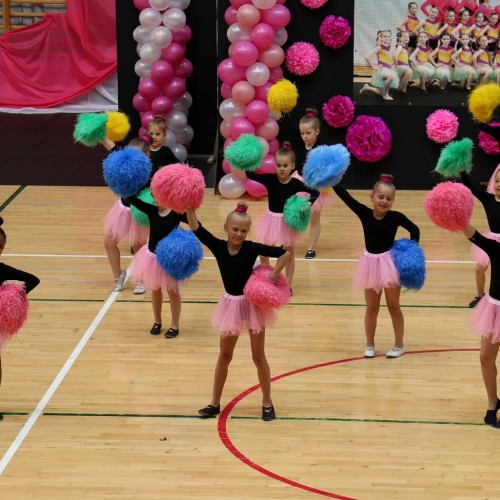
178, 186
262, 292
338, 111
449, 205
313, 4
488, 143
13, 310
302, 58
334, 31
442, 126
368, 138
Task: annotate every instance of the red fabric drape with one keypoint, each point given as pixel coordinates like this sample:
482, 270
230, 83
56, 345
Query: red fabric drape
60, 57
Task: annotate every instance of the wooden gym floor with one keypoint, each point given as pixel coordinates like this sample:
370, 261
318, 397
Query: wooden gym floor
95, 407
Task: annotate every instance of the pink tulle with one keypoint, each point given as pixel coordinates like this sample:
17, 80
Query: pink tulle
479, 255
302, 58
14, 308
485, 319
235, 314
119, 224
491, 183
449, 205
442, 126
368, 138
488, 143
261, 291
338, 111
313, 4
376, 271
178, 186
273, 230
335, 31
147, 270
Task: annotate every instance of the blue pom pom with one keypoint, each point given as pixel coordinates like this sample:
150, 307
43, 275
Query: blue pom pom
410, 262
126, 171
325, 166
179, 254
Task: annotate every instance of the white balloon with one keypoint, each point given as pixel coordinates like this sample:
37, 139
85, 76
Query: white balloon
257, 74
176, 120
265, 145
161, 36
229, 109
160, 4
236, 33
185, 136
141, 34
150, 18
170, 139
142, 68
138, 49
180, 4
174, 19
185, 101
150, 52
231, 187
281, 36
180, 151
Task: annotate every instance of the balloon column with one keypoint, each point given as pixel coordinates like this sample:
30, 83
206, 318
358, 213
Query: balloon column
161, 39
257, 33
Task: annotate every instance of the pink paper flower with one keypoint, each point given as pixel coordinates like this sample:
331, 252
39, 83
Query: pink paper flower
313, 4
488, 143
338, 111
302, 58
368, 138
442, 126
335, 31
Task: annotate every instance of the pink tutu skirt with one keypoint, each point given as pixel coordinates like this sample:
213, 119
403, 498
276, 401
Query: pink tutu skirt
120, 224
146, 269
325, 198
479, 255
485, 319
376, 271
235, 314
273, 230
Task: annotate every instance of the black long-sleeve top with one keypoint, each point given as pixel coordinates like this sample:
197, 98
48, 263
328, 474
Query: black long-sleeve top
278, 192
235, 269
489, 202
492, 248
8, 273
379, 233
161, 157
159, 226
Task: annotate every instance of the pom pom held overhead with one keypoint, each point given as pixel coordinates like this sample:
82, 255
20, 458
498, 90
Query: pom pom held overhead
245, 153
117, 126
90, 128
325, 166
282, 96
455, 157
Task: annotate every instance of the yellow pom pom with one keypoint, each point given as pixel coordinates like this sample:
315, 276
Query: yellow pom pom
483, 100
282, 97
117, 126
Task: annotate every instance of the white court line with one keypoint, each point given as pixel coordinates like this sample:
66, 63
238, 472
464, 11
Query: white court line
9, 454
72, 256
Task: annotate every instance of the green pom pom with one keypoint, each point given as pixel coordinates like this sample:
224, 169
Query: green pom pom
297, 212
245, 153
140, 217
455, 157
90, 128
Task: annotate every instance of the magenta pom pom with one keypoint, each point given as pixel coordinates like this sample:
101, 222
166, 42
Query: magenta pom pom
262, 292
178, 186
334, 31
313, 4
488, 143
449, 205
302, 58
442, 126
13, 310
368, 138
338, 111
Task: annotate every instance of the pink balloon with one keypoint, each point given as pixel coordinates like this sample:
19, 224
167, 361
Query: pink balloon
225, 129
230, 72
243, 92
281, 1
273, 56
173, 53
226, 167
255, 188
228, 142
268, 165
269, 129
148, 88
274, 145
244, 53
262, 35
230, 15
241, 126
226, 90
275, 74
184, 69
147, 118
182, 36
239, 3
140, 103
162, 71
175, 88
278, 16
261, 92
142, 131
142, 4
248, 15
257, 111
161, 105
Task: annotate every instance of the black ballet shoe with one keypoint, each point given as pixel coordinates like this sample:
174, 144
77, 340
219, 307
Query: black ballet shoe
156, 329
268, 413
491, 415
1, 417
474, 301
209, 411
171, 333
